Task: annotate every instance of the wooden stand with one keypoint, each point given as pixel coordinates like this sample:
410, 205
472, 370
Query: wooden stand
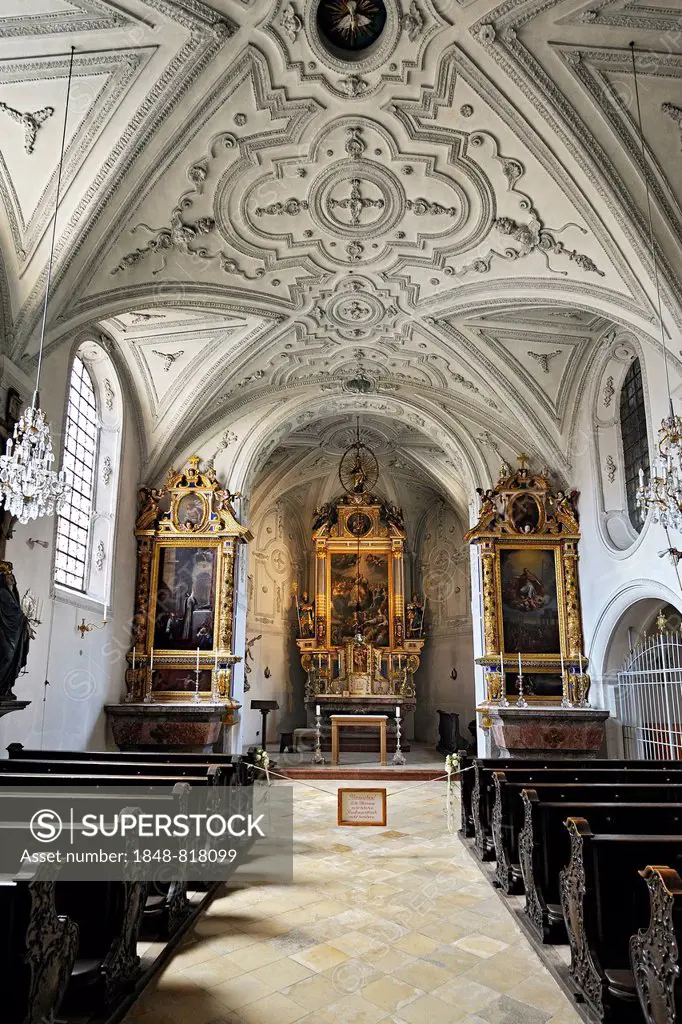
359, 721
265, 707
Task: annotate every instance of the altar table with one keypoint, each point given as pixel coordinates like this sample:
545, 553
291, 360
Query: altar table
362, 722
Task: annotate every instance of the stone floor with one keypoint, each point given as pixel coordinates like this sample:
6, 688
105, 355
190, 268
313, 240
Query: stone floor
381, 925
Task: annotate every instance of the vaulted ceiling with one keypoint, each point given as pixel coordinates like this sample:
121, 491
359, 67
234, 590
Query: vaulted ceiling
271, 234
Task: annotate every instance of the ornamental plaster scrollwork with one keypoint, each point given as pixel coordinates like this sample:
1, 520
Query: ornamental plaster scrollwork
291, 23
395, 54
675, 115
611, 468
532, 237
30, 122
544, 358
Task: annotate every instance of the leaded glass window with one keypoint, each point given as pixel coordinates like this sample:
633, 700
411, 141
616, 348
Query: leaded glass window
79, 459
634, 435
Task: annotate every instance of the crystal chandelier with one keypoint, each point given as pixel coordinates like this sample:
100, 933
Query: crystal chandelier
29, 487
661, 495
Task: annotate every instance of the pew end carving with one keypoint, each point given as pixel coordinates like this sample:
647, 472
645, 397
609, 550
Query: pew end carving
654, 951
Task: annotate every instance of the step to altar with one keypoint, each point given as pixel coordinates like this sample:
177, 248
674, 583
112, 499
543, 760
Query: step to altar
387, 773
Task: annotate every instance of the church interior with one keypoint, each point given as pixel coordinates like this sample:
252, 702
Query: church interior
341, 464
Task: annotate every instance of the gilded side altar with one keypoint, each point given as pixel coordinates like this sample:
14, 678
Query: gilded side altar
181, 653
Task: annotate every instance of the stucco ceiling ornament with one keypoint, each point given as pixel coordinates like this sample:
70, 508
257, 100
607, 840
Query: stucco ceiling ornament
544, 358
314, 37
532, 237
357, 198
674, 113
30, 122
291, 23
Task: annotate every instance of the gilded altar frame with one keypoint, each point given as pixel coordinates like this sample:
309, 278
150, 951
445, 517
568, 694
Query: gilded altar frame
522, 518
361, 525
190, 528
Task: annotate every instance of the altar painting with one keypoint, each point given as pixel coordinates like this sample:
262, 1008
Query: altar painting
537, 685
174, 679
530, 611
369, 590
185, 598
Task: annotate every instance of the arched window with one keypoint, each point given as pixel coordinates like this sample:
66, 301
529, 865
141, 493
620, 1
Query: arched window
634, 436
81, 439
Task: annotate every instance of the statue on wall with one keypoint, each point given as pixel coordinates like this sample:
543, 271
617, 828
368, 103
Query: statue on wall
15, 632
415, 617
307, 616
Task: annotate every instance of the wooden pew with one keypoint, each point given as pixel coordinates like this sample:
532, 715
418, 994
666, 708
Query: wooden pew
603, 907
244, 768
655, 951
487, 797
37, 950
544, 847
216, 774
109, 918
509, 816
472, 789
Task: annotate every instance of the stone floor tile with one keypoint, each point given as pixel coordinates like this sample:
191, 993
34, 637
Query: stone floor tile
429, 1010
320, 957
389, 993
510, 1011
480, 945
273, 1009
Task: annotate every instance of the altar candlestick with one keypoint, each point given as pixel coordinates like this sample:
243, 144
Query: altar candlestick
397, 711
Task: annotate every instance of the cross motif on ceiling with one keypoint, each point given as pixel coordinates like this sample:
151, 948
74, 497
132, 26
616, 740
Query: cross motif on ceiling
356, 204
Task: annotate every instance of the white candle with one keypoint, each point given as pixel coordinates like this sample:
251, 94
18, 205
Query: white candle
562, 664
520, 672
197, 659
151, 661
106, 609
580, 659
216, 661
134, 650
501, 665
317, 710
397, 711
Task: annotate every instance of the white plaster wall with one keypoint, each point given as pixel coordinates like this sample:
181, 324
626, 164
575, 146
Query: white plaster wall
619, 585
84, 675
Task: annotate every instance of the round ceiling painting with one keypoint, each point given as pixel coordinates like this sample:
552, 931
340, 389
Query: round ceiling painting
351, 25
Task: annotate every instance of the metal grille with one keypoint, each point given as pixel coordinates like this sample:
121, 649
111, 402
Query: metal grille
80, 456
635, 439
650, 699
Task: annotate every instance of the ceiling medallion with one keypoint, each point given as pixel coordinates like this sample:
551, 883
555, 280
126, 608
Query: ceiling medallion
350, 26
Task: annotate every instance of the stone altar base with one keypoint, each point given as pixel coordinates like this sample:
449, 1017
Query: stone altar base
178, 728
547, 732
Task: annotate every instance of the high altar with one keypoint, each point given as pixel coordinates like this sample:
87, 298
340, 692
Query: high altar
179, 675
360, 642
537, 686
